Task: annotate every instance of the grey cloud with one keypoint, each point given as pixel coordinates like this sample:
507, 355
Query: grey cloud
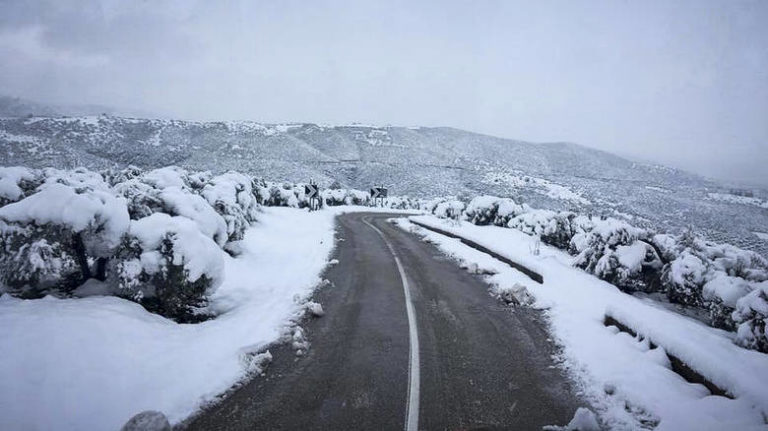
685, 83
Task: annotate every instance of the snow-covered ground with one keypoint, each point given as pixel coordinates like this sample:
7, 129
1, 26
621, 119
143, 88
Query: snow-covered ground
92, 363
631, 385
736, 199
517, 180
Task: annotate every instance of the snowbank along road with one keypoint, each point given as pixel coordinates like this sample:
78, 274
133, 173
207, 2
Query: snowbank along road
409, 341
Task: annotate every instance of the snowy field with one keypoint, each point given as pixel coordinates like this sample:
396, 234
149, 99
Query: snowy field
630, 384
92, 363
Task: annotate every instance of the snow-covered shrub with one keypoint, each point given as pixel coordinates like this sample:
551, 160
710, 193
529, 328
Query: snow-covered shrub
616, 252
721, 293
333, 197
684, 279
35, 259
336, 197
482, 210
17, 182
751, 316
276, 195
168, 265
563, 227
116, 176
154, 193
726, 281
451, 209
485, 210
142, 199
665, 245
45, 230
232, 196
736, 262
401, 203
708, 275
534, 222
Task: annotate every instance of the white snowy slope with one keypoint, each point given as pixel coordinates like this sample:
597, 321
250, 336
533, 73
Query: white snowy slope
420, 162
92, 363
631, 385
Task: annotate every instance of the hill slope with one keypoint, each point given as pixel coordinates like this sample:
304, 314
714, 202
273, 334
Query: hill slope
413, 161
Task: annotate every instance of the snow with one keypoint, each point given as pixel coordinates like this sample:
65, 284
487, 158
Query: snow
196, 252
687, 267
736, 199
63, 205
642, 386
583, 420
632, 256
761, 235
93, 363
728, 289
93, 287
10, 177
162, 178
449, 209
196, 208
518, 180
10, 137
657, 189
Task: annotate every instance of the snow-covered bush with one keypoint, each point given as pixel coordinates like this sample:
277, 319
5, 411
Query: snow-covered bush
721, 293
172, 191
279, 195
482, 210
336, 197
554, 228
485, 210
451, 209
708, 275
36, 259
43, 232
158, 235
724, 280
232, 196
751, 316
563, 227
736, 262
168, 265
17, 182
616, 252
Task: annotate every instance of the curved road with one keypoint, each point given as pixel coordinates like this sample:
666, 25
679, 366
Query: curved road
478, 365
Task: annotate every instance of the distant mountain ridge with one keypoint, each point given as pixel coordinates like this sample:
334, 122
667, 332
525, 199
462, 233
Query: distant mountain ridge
18, 107
417, 161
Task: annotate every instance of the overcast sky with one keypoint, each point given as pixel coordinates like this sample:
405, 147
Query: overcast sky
683, 83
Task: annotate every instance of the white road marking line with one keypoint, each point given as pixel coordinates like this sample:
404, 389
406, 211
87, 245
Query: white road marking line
414, 378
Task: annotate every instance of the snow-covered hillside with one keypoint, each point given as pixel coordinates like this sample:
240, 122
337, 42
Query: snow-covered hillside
415, 161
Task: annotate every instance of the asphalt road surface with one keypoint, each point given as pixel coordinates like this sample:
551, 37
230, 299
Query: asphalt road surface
476, 364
